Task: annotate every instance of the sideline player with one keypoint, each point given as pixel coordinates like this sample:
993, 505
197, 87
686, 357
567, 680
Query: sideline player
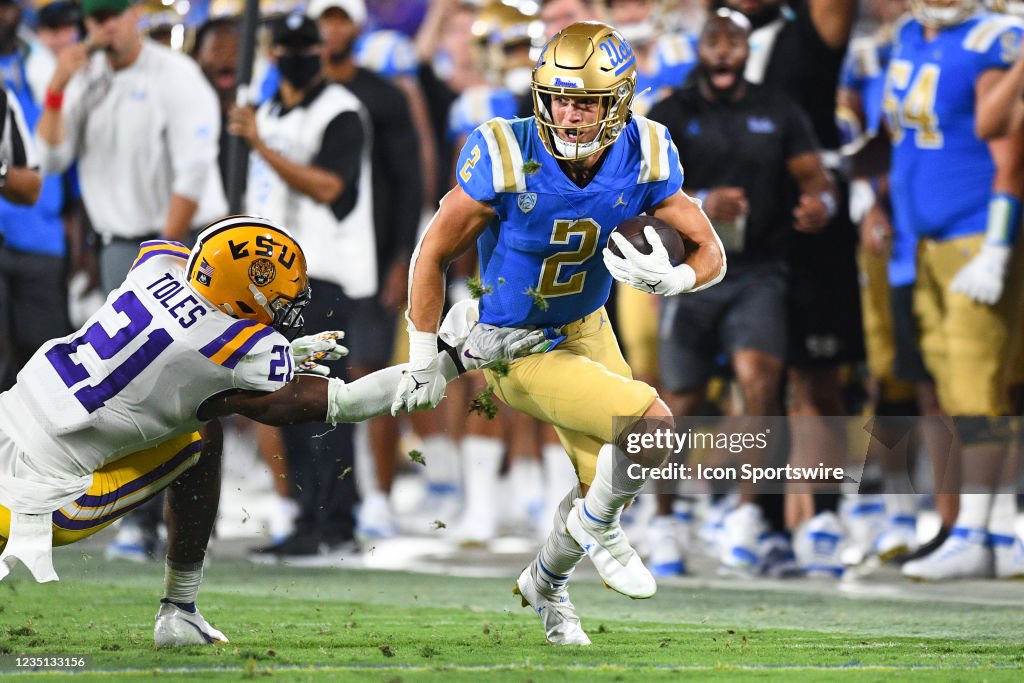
962, 198
541, 195
102, 420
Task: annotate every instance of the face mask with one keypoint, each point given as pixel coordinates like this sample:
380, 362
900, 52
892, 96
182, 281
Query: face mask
299, 70
518, 80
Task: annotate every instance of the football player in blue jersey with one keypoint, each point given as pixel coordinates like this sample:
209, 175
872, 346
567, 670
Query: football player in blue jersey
540, 196
962, 198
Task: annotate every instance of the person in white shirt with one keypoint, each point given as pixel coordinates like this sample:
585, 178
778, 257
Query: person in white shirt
143, 123
310, 167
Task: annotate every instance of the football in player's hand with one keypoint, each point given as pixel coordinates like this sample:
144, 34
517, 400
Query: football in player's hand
633, 230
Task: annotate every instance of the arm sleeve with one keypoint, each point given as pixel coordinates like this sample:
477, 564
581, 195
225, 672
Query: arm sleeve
267, 366
16, 145
193, 130
800, 137
474, 171
341, 153
57, 158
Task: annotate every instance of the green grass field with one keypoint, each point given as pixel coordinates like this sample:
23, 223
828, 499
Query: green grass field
292, 624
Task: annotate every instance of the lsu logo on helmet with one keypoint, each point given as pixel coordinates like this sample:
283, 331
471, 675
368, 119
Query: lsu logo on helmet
262, 272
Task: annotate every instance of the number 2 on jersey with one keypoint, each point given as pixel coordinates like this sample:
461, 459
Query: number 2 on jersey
562, 232
93, 396
917, 108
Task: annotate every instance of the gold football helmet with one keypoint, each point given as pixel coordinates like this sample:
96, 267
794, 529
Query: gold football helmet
251, 268
586, 59
1014, 7
942, 13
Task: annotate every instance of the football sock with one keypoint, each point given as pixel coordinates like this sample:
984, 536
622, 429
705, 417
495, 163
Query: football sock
1001, 521
612, 489
524, 475
482, 457
560, 554
442, 469
559, 476
974, 510
900, 506
181, 583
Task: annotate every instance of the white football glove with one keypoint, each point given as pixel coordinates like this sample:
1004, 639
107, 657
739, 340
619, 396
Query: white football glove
422, 384
652, 273
982, 278
487, 345
306, 351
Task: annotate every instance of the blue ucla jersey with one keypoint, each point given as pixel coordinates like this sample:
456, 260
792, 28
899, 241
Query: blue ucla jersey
478, 105
540, 260
941, 174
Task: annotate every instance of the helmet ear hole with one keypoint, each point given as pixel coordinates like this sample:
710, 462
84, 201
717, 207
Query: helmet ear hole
244, 308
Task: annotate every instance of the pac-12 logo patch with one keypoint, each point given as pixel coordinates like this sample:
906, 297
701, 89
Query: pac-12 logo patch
262, 272
526, 201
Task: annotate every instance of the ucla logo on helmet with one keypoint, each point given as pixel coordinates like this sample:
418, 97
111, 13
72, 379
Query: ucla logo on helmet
526, 201
618, 51
262, 272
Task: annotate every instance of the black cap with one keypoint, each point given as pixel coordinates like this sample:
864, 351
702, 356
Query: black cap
59, 13
296, 32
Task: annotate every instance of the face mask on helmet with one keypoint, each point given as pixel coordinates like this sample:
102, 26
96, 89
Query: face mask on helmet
942, 13
586, 60
251, 269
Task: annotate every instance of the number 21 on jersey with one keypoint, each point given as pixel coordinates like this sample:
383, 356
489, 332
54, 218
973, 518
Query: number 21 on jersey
912, 104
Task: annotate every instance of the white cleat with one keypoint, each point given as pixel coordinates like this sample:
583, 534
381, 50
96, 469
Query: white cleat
176, 627
964, 555
608, 548
561, 625
375, 519
665, 554
819, 546
899, 538
1009, 556
739, 541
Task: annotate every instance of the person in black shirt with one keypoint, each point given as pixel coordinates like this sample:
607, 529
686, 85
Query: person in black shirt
397, 197
741, 144
797, 47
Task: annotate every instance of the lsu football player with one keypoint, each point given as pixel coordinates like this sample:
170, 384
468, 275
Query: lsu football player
540, 196
104, 419
961, 197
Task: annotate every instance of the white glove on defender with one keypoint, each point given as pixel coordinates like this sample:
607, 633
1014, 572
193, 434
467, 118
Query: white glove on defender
652, 273
982, 278
422, 384
306, 351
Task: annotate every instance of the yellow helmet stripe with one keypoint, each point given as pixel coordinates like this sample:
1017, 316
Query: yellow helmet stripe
506, 158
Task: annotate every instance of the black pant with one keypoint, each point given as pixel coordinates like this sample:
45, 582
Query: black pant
33, 307
319, 454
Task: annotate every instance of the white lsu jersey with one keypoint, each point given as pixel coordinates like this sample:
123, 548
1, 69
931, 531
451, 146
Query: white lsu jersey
138, 370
